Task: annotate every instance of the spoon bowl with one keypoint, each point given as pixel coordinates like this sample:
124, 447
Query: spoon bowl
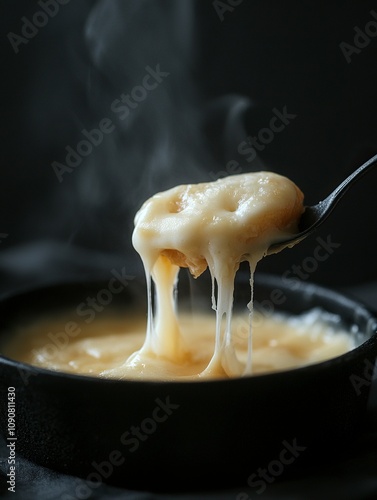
315, 215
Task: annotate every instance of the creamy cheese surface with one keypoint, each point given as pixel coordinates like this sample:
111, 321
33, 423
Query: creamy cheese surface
216, 224
100, 348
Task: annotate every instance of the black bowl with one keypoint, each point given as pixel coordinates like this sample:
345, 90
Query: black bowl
166, 436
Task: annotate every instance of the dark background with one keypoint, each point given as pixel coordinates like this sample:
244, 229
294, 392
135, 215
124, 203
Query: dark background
226, 77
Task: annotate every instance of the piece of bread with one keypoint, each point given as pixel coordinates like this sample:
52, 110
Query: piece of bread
223, 220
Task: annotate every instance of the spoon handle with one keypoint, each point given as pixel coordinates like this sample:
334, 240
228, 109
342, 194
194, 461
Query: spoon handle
317, 214
338, 192
313, 216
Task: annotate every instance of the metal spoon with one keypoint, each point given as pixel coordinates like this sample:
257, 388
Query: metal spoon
314, 216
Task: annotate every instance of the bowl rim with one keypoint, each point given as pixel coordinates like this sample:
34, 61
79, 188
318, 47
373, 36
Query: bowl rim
264, 278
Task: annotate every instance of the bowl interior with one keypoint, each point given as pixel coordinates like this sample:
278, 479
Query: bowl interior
238, 425
271, 294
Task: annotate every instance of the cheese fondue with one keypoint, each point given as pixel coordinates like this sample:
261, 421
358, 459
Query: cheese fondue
215, 225
99, 348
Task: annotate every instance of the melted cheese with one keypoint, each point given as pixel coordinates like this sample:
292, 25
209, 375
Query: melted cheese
216, 224
100, 348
